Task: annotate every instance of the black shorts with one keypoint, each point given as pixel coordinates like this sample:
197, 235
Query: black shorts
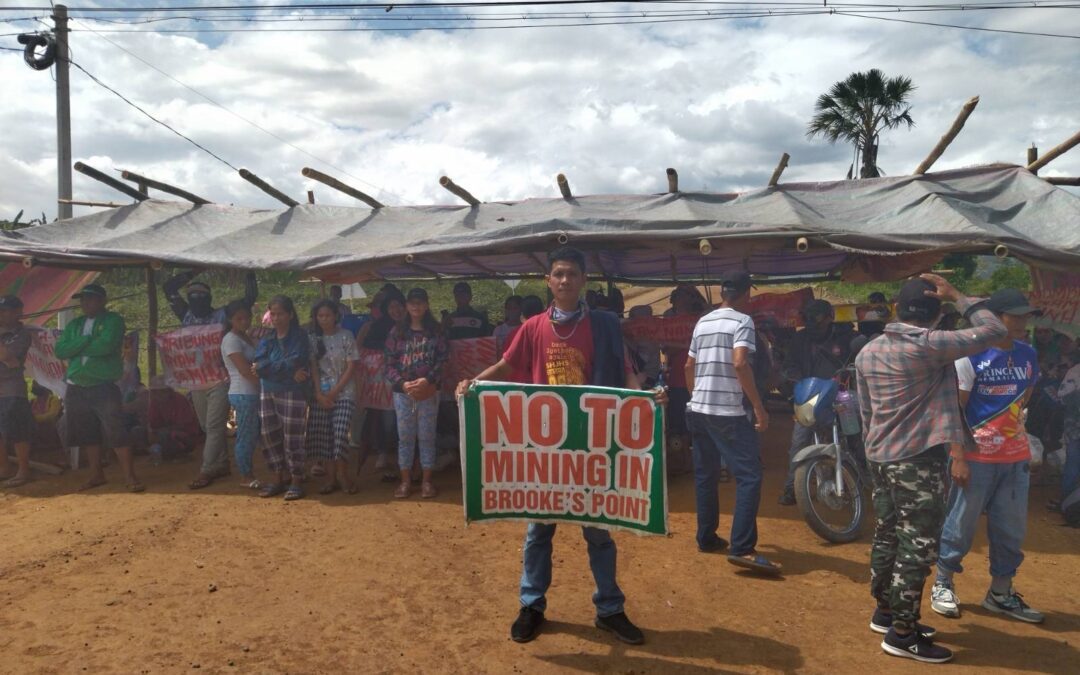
92, 416
16, 419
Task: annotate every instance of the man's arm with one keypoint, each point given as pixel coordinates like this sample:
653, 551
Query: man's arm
986, 329
744, 371
110, 340
172, 291
71, 342
862, 393
792, 369
251, 289
688, 371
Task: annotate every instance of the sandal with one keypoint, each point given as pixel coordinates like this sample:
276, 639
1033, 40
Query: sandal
253, 484
403, 490
329, 489
16, 481
352, 489
136, 487
756, 562
202, 481
724, 476
293, 493
91, 484
428, 490
271, 490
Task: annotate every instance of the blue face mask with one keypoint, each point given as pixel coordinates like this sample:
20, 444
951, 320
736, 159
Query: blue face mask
560, 317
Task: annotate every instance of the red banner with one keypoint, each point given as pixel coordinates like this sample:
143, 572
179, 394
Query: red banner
42, 288
468, 358
372, 387
1057, 294
43, 366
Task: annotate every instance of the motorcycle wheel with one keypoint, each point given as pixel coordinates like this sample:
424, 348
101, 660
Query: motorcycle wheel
835, 519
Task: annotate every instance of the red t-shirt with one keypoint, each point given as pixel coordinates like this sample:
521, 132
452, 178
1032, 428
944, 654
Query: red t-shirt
543, 353
677, 367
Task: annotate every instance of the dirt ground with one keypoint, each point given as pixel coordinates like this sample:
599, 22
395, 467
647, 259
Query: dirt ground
221, 581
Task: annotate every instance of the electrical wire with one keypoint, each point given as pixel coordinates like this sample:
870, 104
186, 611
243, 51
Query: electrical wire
949, 25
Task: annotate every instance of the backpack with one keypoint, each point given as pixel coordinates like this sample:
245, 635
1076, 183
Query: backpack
1070, 508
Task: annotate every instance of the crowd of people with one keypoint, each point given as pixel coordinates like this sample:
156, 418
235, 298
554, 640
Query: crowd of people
943, 385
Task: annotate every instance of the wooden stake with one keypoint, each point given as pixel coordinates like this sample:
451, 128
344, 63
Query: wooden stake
564, 186
330, 181
145, 182
779, 169
268, 188
110, 181
1063, 180
672, 181
152, 327
1055, 152
458, 191
1032, 155
310, 196
957, 125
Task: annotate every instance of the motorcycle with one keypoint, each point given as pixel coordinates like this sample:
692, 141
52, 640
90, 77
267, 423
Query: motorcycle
830, 483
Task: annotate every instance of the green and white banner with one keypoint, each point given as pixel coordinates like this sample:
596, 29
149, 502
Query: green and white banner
561, 454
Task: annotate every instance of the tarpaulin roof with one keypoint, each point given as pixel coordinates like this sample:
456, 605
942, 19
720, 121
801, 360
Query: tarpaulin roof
850, 225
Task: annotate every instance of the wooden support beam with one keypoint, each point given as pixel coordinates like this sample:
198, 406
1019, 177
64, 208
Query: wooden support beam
268, 188
152, 327
458, 191
330, 181
1055, 152
476, 263
1032, 155
81, 202
144, 182
564, 186
411, 262
672, 180
110, 181
310, 196
945, 140
1063, 180
779, 169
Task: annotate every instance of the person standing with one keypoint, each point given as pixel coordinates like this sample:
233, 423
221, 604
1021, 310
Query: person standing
504, 332
16, 417
571, 345
416, 352
282, 363
238, 351
465, 322
720, 374
333, 362
93, 346
1069, 394
995, 386
907, 392
196, 308
380, 425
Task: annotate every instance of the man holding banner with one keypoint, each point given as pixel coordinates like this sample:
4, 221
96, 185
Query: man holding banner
568, 345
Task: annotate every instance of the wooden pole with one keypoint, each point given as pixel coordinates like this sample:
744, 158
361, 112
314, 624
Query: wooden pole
110, 181
1055, 152
145, 182
152, 328
81, 202
63, 111
1063, 180
779, 169
330, 181
672, 181
957, 125
310, 196
1032, 155
458, 191
564, 186
268, 188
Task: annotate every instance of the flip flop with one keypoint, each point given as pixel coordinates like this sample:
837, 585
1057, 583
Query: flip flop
271, 490
329, 489
352, 489
254, 484
756, 563
136, 487
202, 481
91, 484
15, 482
293, 493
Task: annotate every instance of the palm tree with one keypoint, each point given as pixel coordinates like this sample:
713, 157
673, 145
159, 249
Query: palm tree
858, 109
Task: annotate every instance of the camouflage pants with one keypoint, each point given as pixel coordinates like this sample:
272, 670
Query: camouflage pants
909, 506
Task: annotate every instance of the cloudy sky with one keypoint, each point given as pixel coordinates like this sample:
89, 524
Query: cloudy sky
503, 111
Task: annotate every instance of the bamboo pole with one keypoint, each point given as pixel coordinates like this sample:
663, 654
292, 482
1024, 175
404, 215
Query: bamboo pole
458, 191
109, 180
564, 186
330, 181
1063, 180
1055, 152
81, 202
957, 125
1032, 155
779, 169
144, 182
268, 188
310, 196
152, 327
672, 180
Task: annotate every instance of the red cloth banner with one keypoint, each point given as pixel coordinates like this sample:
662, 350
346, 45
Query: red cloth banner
372, 387
1057, 294
42, 288
468, 358
43, 366
191, 357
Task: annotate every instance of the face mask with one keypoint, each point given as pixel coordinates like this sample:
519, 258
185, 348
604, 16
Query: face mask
199, 304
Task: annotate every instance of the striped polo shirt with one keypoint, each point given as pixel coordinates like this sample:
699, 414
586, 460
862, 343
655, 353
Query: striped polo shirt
716, 388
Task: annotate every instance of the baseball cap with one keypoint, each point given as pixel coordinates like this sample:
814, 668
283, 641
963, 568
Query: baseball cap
11, 302
1011, 301
737, 281
817, 308
197, 287
913, 303
96, 290
417, 294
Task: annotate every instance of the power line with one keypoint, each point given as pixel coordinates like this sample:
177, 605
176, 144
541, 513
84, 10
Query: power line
950, 25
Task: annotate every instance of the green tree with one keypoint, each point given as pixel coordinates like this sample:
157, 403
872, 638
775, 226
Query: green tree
856, 110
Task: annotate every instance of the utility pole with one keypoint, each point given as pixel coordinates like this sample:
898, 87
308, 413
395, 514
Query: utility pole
63, 114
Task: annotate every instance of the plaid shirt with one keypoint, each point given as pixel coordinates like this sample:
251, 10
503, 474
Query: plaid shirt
907, 385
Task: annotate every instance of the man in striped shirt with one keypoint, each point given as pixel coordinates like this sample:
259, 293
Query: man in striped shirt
720, 374
910, 410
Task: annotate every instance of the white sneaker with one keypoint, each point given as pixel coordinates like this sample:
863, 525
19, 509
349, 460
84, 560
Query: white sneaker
943, 600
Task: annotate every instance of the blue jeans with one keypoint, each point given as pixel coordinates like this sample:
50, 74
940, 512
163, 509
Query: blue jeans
247, 430
536, 572
1070, 473
416, 421
733, 439
800, 438
1001, 490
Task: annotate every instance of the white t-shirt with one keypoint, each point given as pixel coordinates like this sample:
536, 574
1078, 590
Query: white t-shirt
238, 384
716, 387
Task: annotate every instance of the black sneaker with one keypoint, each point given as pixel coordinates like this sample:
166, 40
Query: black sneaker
882, 622
621, 626
527, 625
717, 545
915, 646
787, 498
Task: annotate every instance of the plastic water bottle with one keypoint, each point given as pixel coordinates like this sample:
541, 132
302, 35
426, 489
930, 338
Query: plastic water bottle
847, 411
326, 384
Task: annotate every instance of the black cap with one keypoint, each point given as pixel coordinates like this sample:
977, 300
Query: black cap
1011, 301
816, 308
417, 294
737, 281
462, 287
96, 290
11, 302
913, 302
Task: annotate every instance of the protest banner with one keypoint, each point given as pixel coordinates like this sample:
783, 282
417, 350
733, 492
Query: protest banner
1057, 294
560, 454
43, 366
372, 387
191, 357
466, 360
42, 289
